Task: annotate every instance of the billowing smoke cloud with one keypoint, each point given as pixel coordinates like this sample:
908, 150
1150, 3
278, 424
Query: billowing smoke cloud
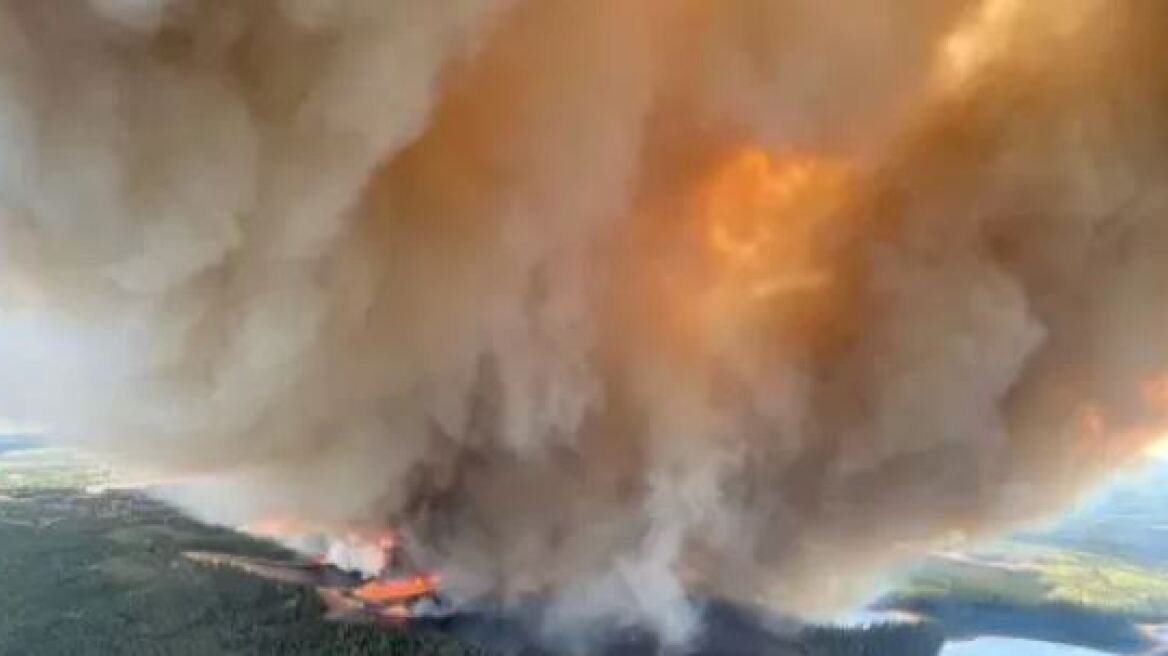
612, 300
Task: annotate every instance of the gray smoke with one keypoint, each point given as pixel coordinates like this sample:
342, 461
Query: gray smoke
496, 273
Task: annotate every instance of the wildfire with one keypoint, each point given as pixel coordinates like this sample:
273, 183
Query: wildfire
1150, 429
759, 221
759, 214
376, 575
394, 591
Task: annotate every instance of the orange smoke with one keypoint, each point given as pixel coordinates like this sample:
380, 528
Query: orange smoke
760, 215
388, 593
994, 29
636, 283
276, 527
758, 224
286, 526
1116, 441
1154, 394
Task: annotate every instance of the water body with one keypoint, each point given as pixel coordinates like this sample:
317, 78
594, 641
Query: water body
1012, 647
1127, 520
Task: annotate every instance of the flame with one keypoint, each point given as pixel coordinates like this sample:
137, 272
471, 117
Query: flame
760, 220
398, 590
369, 550
396, 612
757, 212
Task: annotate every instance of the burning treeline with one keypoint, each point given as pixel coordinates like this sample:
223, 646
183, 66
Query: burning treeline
614, 301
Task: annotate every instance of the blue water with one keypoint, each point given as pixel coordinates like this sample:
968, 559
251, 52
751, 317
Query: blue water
1126, 519
1011, 647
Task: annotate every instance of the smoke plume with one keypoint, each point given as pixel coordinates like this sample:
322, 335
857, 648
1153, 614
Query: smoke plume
614, 301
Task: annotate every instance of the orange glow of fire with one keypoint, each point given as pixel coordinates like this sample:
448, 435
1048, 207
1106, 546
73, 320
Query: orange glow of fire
758, 215
396, 591
977, 40
385, 595
760, 222
396, 612
993, 29
1148, 435
387, 540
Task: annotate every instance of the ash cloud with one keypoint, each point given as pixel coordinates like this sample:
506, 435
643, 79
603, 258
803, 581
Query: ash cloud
440, 266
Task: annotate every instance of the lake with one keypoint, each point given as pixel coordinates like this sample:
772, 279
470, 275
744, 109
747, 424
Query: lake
1011, 647
1126, 519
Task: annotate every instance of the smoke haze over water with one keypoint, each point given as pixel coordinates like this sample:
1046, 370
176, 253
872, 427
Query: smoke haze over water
611, 299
